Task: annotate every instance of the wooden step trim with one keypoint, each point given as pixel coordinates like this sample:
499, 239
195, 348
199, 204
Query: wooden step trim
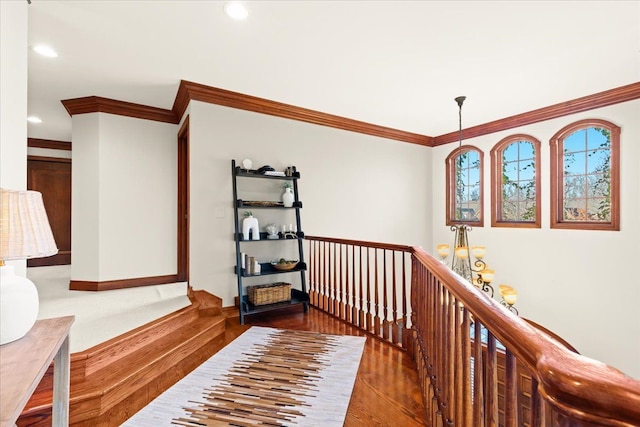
94, 389
109, 285
210, 305
89, 361
117, 348
119, 413
103, 390
117, 392
231, 312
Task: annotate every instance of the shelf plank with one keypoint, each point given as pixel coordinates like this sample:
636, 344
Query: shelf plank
241, 205
251, 173
297, 297
263, 238
267, 269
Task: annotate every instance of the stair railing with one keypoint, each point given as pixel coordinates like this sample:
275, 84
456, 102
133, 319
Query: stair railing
514, 374
365, 284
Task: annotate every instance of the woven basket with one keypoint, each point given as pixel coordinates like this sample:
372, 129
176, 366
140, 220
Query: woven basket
269, 294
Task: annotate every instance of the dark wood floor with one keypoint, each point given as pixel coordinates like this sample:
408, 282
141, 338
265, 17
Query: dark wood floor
386, 391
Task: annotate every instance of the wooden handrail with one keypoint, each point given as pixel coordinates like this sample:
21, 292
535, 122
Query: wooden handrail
581, 389
518, 373
363, 243
553, 335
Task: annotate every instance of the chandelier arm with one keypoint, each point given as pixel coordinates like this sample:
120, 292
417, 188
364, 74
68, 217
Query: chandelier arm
511, 307
480, 264
486, 287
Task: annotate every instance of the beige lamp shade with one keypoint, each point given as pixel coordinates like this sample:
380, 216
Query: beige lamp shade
478, 251
24, 226
504, 288
24, 233
443, 250
487, 275
462, 252
510, 296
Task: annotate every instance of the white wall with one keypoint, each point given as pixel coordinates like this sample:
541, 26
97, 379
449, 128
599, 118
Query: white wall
85, 207
13, 100
582, 285
124, 198
352, 186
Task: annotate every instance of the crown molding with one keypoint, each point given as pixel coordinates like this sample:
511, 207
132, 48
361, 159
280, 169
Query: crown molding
189, 91
49, 143
97, 104
585, 103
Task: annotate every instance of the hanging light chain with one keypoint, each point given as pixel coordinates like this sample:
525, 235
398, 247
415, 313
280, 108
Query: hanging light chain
460, 101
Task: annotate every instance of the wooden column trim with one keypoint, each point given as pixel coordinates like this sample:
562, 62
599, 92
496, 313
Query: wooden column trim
83, 285
97, 104
48, 143
189, 91
585, 103
183, 201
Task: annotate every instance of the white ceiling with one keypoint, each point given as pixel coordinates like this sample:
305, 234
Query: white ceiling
392, 63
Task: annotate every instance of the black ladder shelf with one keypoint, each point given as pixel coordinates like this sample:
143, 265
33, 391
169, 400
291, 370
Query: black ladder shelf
298, 296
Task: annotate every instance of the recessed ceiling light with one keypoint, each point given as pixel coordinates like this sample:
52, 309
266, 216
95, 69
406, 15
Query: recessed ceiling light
236, 10
34, 119
45, 51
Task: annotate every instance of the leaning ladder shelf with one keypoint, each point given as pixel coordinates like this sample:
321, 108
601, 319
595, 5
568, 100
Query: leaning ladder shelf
298, 296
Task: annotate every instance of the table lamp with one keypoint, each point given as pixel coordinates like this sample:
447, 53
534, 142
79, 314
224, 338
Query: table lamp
24, 233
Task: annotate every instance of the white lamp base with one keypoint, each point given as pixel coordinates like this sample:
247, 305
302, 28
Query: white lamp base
19, 305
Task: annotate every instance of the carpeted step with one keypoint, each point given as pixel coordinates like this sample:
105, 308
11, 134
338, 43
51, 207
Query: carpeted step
102, 329
104, 315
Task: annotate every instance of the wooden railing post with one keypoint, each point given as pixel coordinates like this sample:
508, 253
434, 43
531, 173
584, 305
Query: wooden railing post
369, 318
376, 320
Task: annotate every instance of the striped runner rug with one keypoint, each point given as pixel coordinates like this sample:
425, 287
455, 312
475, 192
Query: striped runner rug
266, 377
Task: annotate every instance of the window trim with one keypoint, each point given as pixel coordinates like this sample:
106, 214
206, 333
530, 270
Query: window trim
450, 178
496, 182
557, 175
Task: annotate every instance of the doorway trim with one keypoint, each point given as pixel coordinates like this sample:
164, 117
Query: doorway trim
183, 201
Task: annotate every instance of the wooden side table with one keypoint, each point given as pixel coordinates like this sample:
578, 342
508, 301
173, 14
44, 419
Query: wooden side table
24, 362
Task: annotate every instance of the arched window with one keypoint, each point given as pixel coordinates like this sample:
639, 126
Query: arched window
515, 182
464, 186
585, 176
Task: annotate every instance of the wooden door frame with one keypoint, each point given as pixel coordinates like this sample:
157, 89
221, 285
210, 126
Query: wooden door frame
183, 201
63, 257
